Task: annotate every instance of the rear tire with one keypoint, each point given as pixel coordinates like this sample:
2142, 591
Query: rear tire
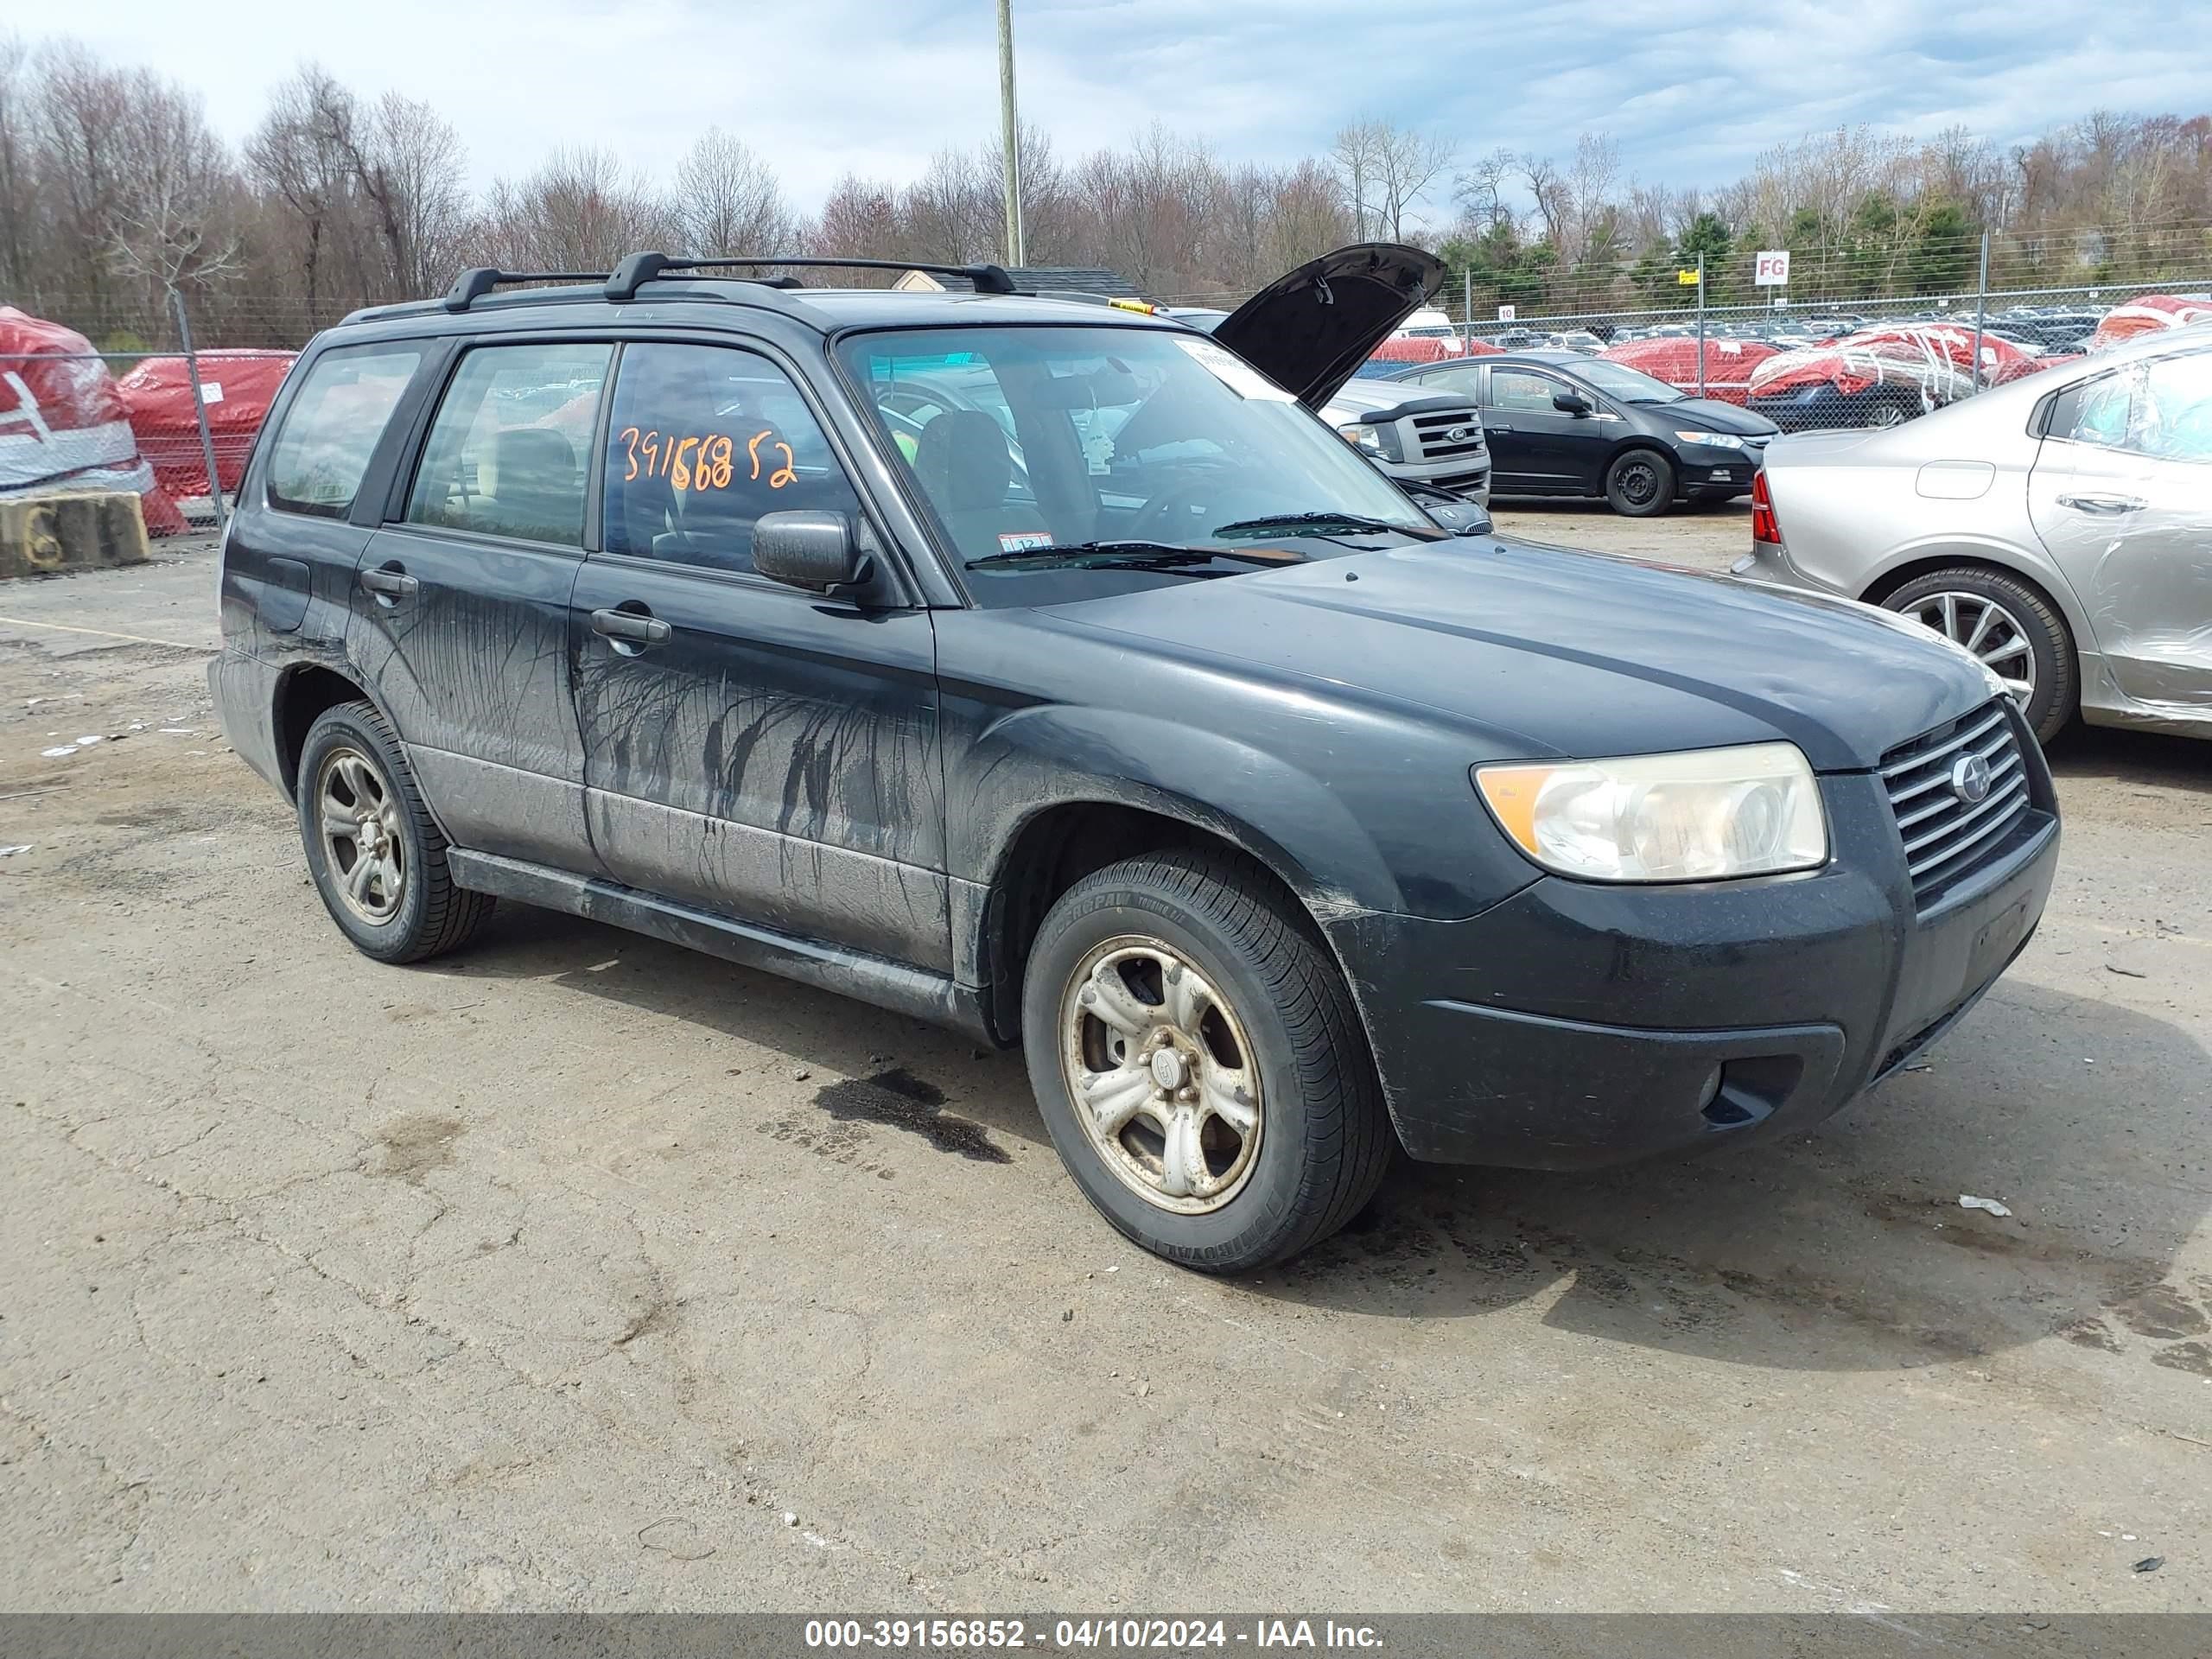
1161, 988
1640, 484
2018, 616
376, 855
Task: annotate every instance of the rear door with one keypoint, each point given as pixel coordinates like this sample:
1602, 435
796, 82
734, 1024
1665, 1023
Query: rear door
751, 749
461, 598
2121, 494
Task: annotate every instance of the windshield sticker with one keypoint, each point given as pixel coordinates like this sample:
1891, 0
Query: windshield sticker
1235, 373
705, 460
1018, 541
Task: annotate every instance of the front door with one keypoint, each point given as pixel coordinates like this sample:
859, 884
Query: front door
462, 603
751, 749
1534, 447
2121, 495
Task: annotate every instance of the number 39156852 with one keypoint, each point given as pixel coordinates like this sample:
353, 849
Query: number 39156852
706, 460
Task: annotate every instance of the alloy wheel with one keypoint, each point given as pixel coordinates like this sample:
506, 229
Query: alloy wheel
1986, 628
1161, 1075
358, 817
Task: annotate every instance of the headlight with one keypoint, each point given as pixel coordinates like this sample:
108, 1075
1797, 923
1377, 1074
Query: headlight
1703, 816
1380, 442
1719, 440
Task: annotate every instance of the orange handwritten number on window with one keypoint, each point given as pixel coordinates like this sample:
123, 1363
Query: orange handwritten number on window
680, 469
630, 444
652, 446
785, 473
715, 461
753, 449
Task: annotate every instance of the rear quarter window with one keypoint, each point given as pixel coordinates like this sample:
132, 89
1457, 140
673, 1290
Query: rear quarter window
333, 427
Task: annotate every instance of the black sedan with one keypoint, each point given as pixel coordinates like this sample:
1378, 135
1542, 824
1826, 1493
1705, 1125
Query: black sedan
1561, 424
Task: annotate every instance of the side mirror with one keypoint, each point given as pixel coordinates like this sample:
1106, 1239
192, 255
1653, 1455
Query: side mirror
1570, 402
814, 550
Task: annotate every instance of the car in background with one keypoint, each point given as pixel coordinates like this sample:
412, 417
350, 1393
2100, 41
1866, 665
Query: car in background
2053, 527
1437, 441
1883, 376
1563, 425
1429, 323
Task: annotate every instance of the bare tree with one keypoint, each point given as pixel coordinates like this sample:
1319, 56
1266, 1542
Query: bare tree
1355, 154
729, 200
582, 211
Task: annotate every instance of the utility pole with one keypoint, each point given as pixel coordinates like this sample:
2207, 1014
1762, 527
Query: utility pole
1009, 136
1700, 325
1980, 313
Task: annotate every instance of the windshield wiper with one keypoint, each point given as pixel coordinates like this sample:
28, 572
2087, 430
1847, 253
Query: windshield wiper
1123, 556
1292, 523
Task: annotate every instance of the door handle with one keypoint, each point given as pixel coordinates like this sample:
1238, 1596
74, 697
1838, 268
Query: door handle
2102, 503
391, 584
629, 630
1497, 426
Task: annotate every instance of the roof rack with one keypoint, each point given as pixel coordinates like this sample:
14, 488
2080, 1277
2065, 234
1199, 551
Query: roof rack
639, 269
473, 284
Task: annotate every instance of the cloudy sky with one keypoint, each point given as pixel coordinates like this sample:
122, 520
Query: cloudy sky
1693, 92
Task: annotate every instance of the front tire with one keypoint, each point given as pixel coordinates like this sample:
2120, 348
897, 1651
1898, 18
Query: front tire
2010, 627
376, 855
1640, 484
1200, 1064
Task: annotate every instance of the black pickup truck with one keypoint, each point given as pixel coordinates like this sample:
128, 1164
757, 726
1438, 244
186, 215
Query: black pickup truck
1048, 669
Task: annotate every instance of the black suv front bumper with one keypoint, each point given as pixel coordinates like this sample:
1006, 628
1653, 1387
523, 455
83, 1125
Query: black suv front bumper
1576, 1024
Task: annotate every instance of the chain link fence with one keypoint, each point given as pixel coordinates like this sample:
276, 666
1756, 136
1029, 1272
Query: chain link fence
163, 394
142, 406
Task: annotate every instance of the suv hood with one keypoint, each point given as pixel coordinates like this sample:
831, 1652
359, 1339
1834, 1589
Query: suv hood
1309, 329
1543, 652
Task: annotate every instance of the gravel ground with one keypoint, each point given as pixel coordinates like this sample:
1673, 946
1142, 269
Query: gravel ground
576, 1271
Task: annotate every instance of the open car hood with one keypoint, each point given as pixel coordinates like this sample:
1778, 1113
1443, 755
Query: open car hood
1309, 329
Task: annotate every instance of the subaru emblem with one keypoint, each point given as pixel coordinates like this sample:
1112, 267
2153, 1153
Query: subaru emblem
1970, 780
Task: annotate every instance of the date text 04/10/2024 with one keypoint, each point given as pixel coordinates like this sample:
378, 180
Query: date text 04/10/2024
1124, 1634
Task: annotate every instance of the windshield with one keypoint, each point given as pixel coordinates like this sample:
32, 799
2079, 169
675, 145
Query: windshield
1051, 454
1627, 384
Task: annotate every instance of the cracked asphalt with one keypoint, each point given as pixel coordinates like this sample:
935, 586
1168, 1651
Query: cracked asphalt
575, 1272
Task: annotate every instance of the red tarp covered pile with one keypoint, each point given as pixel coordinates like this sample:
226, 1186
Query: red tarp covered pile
1935, 359
1427, 351
1672, 358
62, 423
237, 387
2147, 315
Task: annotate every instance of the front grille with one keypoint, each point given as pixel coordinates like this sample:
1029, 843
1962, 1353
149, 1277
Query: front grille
1430, 431
1461, 483
1948, 837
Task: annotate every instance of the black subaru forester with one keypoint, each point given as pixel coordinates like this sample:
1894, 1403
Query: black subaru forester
1048, 669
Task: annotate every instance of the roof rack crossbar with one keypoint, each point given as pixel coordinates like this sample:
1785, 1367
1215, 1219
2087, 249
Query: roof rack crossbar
473, 284
639, 269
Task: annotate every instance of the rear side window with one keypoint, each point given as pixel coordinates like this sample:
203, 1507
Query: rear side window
508, 451
332, 426
2096, 412
702, 441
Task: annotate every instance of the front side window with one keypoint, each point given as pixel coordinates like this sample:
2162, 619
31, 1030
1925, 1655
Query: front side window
1030, 443
1518, 389
508, 452
702, 440
333, 425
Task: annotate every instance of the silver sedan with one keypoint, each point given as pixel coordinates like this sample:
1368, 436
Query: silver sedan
2059, 528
